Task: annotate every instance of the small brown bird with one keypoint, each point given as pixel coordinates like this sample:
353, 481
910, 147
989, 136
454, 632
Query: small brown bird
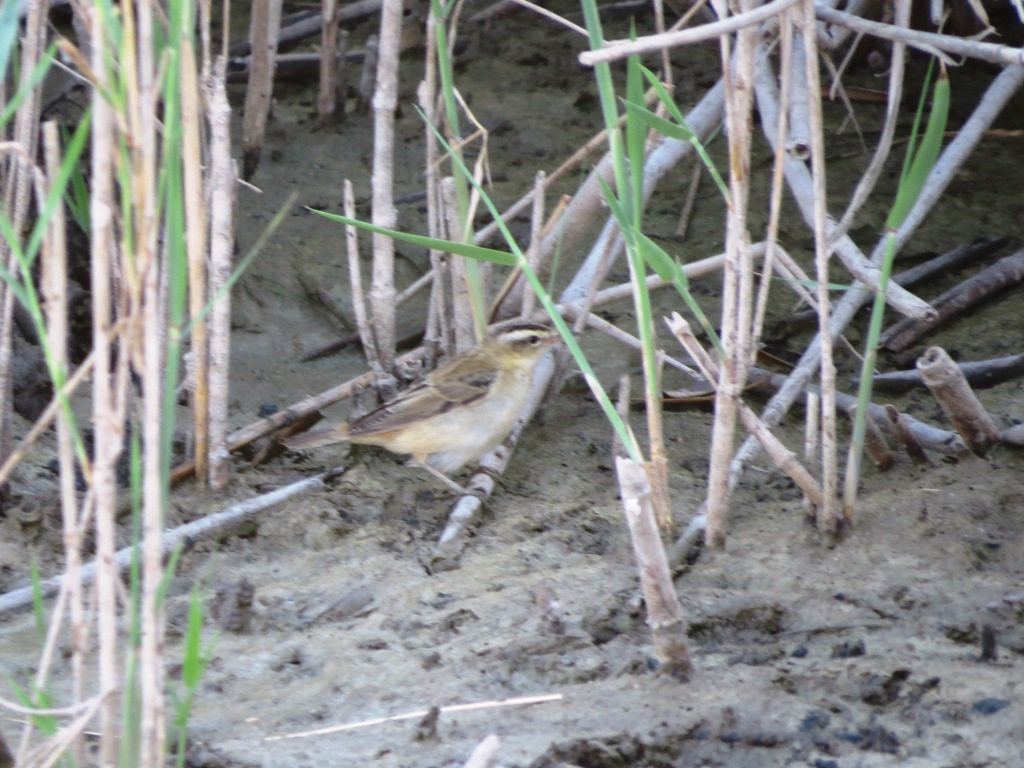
460, 411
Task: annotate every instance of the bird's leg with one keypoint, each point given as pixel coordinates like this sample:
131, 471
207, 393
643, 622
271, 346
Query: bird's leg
440, 476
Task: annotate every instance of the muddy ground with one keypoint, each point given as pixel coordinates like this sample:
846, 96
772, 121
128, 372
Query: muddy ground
852, 653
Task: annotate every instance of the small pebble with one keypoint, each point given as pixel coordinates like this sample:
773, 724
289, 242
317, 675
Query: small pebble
848, 650
989, 706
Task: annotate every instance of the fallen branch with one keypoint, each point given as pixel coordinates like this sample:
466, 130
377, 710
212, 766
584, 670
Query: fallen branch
1006, 272
981, 374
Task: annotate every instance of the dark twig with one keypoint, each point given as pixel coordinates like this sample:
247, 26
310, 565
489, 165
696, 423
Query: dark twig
1006, 272
981, 374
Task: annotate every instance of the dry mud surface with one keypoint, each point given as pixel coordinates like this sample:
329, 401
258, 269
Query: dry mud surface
850, 654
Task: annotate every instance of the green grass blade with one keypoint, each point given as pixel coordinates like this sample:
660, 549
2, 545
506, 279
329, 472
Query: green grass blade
927, 154
468, 250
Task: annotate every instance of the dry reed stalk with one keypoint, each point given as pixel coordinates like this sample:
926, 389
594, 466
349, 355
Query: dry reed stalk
894, 94
55, 300
746, 19
195, 233
949, 386
341, 75
153, 339
17, 195
622, 405
355, 277
529, 301
812, 452
603, 326
205, 44
737, 305
264, 30
933, 43
460, 306
181, 536
775, 204
664, 614
108, 387
437, 334
385, 101
829, 511
371, 50
222, 242
797, 101
50, 751
326, 103
686, 212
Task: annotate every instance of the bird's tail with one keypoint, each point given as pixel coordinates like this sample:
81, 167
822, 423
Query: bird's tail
317, 438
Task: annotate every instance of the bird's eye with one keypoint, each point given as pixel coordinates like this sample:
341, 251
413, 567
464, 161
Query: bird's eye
534, 341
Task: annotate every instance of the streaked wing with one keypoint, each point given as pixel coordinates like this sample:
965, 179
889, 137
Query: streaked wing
426, 400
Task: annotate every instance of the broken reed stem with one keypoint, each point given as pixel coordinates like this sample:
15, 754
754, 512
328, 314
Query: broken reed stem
829, 510
55, 301
875, 444
902, 429
664, 614
222, 242
263, 36
196, 234
355, 277
385, 101
812, 452
326, 96
949, 386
